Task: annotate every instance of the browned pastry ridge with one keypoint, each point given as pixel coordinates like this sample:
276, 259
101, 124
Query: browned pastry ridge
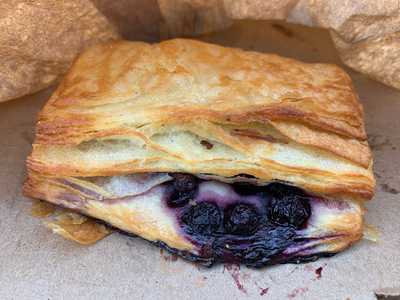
129, 113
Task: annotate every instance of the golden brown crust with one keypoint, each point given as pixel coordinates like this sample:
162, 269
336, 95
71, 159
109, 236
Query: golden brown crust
129, 107
194, 76
144, 217
349, 148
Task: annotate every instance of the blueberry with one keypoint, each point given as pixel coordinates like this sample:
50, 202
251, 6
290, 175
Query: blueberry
183, 189
184, 182
289, 210
241, 219
203, 218
176, 198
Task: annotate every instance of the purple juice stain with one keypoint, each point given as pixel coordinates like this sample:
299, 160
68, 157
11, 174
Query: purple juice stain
263, 291
318, 272
297, 291
234, 271
170, 257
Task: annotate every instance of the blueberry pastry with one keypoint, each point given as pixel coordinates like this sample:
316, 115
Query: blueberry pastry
216, 154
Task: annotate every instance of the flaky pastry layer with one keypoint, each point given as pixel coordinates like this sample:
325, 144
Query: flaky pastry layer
188, 106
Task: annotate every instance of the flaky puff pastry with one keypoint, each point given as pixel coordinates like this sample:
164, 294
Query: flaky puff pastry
192, 107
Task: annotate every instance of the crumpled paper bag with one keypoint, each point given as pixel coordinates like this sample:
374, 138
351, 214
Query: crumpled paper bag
366, 33
192, 17
40, 38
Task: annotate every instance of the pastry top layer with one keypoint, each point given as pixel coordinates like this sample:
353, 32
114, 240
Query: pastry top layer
184, 105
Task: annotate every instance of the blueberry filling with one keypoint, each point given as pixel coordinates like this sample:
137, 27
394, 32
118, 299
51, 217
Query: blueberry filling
256, 250
182, 190
279, 190
238, 222
245, 188
184, 182
241, 219
202, 219
291, 210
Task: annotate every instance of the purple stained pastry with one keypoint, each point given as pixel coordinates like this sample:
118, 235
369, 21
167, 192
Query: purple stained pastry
209, 221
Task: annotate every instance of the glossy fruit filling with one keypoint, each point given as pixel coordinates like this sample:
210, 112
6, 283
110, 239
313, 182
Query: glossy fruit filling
238, 222
235, 219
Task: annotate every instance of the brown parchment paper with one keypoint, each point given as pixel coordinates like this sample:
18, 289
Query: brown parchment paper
37, 264
365, 33
40, 38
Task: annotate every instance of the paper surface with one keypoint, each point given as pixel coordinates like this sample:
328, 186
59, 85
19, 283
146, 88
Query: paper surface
39, 39
365, 33
37, 264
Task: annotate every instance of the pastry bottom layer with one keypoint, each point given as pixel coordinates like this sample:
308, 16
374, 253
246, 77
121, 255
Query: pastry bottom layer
206, 220
210, 261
